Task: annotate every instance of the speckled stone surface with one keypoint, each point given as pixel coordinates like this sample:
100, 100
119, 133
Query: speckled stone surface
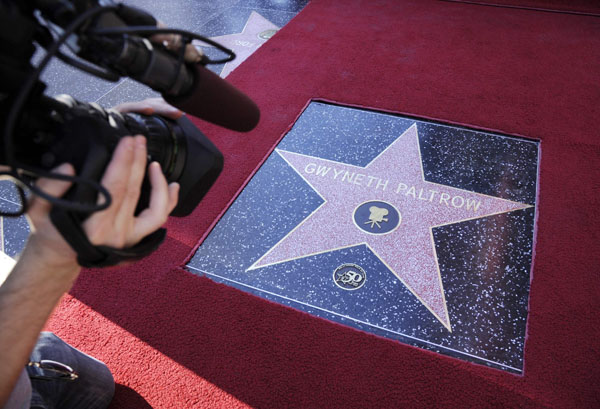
209, 18
13, 231
445, 277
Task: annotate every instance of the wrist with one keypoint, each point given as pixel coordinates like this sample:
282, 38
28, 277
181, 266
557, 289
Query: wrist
58, 261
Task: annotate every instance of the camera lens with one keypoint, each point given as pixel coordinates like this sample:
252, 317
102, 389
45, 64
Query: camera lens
166, 143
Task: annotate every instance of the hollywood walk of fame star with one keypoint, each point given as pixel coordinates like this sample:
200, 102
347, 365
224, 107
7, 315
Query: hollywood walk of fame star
393, 180
255, 33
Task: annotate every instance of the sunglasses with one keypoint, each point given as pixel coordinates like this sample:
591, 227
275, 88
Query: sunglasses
51, 370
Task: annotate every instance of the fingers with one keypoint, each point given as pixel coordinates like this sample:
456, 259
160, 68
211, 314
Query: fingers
134, 179
40, 207
163, 199
173, 42
115, 176
140, 107
192, 54
45, 242
173, 195
101, 227
151, 106
118, 226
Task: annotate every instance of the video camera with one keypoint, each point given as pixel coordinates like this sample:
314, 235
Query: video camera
109, 40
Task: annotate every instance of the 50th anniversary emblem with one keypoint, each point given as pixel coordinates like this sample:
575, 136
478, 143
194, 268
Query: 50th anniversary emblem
349, 276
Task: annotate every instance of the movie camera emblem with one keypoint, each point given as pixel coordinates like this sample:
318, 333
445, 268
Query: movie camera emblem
377, 217
349, 276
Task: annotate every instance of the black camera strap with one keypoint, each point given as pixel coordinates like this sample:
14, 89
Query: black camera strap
89, 255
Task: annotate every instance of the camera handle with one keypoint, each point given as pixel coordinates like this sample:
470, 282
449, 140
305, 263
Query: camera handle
100, 139
88, 255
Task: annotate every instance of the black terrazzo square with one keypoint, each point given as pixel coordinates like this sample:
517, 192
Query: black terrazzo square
13, 235
13, 231
409, 229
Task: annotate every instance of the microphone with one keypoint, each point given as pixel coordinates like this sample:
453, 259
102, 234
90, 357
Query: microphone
215, 100
190, 87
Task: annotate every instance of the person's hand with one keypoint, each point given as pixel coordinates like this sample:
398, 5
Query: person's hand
117, 226
174, 42
150, 106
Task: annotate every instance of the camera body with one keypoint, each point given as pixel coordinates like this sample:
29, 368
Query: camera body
85, 135
39, 132
50, 131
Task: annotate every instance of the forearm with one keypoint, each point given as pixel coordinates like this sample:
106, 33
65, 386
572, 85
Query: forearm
27, 298
48, 266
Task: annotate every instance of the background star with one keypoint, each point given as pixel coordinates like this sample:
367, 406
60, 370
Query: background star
255, 33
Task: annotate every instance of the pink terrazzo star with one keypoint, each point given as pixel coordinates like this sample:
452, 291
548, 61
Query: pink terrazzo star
255, 33
396, 178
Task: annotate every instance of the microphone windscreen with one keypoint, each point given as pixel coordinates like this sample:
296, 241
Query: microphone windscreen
217, 101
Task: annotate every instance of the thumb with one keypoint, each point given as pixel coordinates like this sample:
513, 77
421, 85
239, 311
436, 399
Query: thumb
40, 207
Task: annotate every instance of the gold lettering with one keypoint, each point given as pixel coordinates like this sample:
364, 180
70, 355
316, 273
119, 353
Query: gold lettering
358, 178
433, 192
310, 168
444, 198
322, 170
348, 176
412, 191
471, 204
384, 184
401, 186
371, 179
421, 195
337, 173
461, 201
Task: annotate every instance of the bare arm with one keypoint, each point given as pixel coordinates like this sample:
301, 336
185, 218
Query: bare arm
48, 266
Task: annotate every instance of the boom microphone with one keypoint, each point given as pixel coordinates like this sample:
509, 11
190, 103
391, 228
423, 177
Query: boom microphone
190, 87
215, 100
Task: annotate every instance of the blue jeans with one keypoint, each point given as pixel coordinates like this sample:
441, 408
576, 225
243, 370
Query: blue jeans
93, 389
